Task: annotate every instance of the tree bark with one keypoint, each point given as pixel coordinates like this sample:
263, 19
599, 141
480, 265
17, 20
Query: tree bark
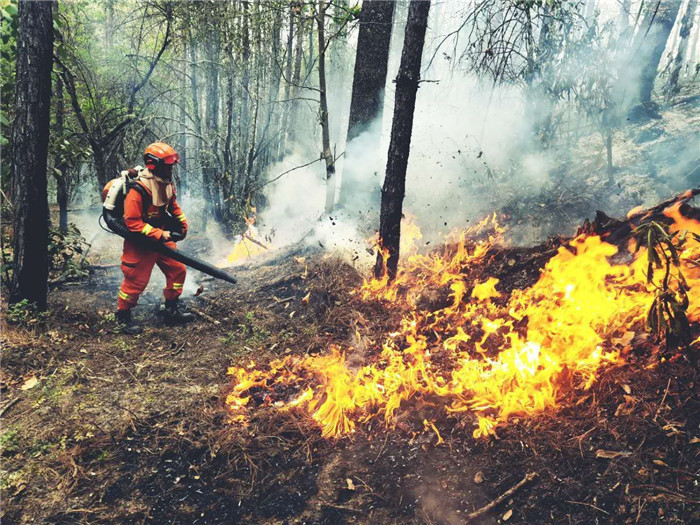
371, 62
287, 87
672, 88
400, 145
182, 139
296, 79
30, 139
623, 19
660, 20
327, 154
209, 175
60, 167
273, 113
369, 78
196, 115
228, 180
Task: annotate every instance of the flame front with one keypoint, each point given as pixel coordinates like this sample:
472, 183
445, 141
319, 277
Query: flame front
493, 354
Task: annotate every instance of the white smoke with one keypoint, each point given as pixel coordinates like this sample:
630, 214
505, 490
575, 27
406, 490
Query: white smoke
471, 154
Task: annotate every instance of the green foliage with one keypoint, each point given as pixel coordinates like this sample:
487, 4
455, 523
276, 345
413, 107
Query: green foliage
67, 254
667, 314
8, 53
250, 331
25, 314
9, 441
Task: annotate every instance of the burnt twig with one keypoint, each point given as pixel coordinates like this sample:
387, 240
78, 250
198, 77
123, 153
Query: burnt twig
500, 499
204, 316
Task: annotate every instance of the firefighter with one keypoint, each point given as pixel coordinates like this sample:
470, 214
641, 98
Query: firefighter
150, 208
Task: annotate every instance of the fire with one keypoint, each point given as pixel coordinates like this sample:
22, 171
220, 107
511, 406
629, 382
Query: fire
486, 352
435, 269
248, 246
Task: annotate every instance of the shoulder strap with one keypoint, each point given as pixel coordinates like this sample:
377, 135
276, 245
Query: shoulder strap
145, 196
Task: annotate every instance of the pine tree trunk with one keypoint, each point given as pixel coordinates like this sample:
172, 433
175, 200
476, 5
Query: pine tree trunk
673, 87
196, 116
323, 96
182, 139
253, 125
59, 165
400, 145
623, 19
371, 61
369, 79
30, 140
245, 82
209, 171
98, 158
287, 88
296, 79
273, 113
652, 48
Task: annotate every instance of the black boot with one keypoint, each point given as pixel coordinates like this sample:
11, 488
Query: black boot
126, 324
175, 313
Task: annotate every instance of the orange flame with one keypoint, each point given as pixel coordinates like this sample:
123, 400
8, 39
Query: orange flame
487, 353
248, 246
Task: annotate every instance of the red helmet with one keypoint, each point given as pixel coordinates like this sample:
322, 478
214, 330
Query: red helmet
160, 152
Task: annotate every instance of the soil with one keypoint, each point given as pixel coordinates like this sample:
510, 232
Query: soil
100, 427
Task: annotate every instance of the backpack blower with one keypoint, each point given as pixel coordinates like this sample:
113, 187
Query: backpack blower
113, 196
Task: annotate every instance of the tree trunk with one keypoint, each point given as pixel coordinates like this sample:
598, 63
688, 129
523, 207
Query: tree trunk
609, 154
245, 82
59, 164
209, 175
182, 139
273, 114
99, 158
623, 19
196, 116
253, 125
369, 79
371, 61
660, 23
400, 144
30, 140
287, 87
672, 88
230, 117
296, 79
325, 127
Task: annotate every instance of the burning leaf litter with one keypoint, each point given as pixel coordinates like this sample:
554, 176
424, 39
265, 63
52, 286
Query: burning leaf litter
489, 353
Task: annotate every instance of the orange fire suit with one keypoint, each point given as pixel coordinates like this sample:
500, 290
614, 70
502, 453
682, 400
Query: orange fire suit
137, 262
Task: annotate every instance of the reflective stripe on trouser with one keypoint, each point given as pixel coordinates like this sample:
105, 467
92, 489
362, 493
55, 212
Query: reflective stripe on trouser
137, 265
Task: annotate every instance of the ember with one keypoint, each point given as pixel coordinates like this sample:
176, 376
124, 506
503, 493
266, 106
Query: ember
487, 352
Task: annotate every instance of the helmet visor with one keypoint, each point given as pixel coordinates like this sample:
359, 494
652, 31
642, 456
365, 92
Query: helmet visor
171, 159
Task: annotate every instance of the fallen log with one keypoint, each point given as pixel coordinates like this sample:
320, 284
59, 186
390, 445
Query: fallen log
615, 231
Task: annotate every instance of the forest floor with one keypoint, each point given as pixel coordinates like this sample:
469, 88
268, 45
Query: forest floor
99, 427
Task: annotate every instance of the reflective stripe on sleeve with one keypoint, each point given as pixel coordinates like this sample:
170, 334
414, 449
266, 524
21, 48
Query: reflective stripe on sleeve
147, 228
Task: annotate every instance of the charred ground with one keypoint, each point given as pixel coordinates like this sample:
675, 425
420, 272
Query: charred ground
103, 428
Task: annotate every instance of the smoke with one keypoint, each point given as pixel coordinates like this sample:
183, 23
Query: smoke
474, 150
